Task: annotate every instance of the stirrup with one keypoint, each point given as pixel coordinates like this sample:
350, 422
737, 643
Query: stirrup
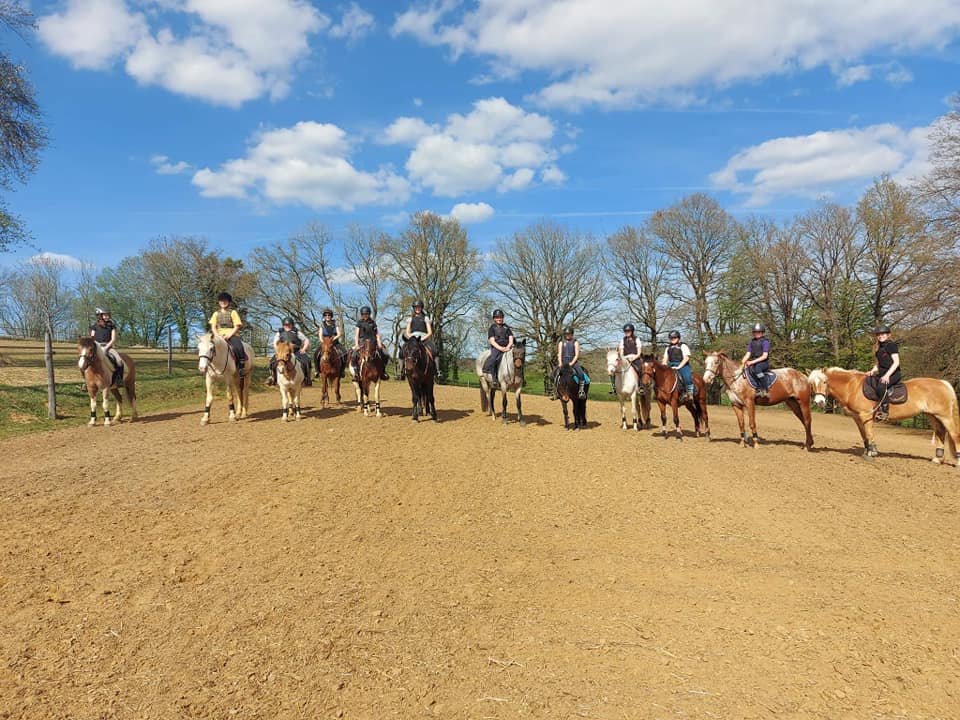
881, 415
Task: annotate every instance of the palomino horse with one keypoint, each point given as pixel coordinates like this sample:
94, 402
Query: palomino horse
290, 377
98, 374
421, 372
372, 366
626, 384
329, 362
568, 390
666, 388
931, 396
509, 377
218, 364
790, 388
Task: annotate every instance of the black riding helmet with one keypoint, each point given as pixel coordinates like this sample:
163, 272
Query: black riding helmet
365, 310
288, 321
629, 326
225, 296
881, 330
327, 311
568, 330
418, 304
498, 313
674, 334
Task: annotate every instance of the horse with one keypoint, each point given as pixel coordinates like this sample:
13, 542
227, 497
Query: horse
568, 390
290, 377
510, 378
372, 364
98, 375
666, 386
329, 364
218, 364
626, 385
421, 371
930, 396
790, 388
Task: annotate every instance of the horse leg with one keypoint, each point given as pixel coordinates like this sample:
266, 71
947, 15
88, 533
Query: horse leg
130, 385
205, 418
940, 437
323, 392
663, 416
416, 403
869, 444
284, 401
93, 407
645, 408
433, 403
675, 406
296, 402
563, 403
376, 397
106, 407
752, 410
623, 413
233, 395
119, 398
337, 390
738, 411
503, 414
798, 409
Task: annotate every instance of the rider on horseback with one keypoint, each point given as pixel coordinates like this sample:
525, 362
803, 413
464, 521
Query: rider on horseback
500, 338
366, 330
226, 321
756, 360
568, 350
677, 356
329, 328
104, 333
887, 367
630, 350
300, 343
419, 325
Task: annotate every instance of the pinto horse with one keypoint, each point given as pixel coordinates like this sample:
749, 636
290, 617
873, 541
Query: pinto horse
98, 375
290, 377
421, 372
217, 364
568, 390
666, 387
626, 385
372, 366
329, 363
790, 388
931, 396
509, 377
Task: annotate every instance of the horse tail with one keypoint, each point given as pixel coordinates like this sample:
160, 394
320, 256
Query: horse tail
953, 433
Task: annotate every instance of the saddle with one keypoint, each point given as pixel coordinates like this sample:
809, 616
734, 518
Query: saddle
770, 377
874, 391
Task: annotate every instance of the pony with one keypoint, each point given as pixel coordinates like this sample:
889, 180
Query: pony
372, 365
421, 372
568, 390
626, 385
666, 387
790, 388
329, 364
217, 364
510, 378
931, 396
290, 377
97, 373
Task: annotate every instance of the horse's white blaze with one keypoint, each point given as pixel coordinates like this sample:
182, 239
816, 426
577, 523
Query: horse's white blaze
83, 357
820, 399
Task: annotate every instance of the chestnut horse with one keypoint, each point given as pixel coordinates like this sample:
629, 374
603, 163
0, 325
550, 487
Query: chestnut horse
372, 364
666, 387
218, 364
98, 375
421, 371
509, 377
290, 377
626, 385
329, 361
930, 396
790, 388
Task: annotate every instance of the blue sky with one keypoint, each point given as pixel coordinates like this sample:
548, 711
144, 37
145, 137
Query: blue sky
242, 120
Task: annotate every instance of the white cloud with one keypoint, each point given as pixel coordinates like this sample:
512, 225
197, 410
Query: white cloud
495, 145
69, 262
468, 213
342, 276
553, 174
418, 102
893, 73
616, 54
810, 165
165, 167
850, 75
307, 164
229, 52
355, 23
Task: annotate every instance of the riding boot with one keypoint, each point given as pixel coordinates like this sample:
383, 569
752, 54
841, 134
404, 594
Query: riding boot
582, 394
438, 375
882, 413
613, 385
494, 383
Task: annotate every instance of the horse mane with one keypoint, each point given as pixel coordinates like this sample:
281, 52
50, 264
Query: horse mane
284, 350
86, 342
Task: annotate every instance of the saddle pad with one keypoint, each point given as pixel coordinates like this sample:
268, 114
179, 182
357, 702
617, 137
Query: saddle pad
896, 394
771, 378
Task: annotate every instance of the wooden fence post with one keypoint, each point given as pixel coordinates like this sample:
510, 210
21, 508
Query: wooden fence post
169, 350
51, 380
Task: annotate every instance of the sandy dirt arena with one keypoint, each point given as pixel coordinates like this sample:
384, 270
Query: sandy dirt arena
352, 567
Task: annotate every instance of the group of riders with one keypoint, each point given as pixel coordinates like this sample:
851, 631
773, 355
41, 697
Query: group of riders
226, 321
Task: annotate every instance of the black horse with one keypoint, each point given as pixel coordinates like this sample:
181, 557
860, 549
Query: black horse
568, 390
421, 371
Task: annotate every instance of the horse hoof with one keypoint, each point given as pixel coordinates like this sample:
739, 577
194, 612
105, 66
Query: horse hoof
283, 417
937, 461
91, 423
204, 420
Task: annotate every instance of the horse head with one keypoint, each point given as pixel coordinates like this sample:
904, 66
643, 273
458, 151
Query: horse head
87, 351
284, 357
649, 370
613, 361
711, 366
326, 347
818, 384
206, 349
413, 351
519, 354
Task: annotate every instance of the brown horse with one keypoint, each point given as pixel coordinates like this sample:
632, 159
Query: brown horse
372, 366
666, 386
930, 396
421, 371
98, 376
329, 362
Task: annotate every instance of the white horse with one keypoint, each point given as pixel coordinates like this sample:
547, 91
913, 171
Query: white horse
509, 377
627, 387
217, 364
290, 379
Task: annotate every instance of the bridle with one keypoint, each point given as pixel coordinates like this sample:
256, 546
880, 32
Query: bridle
211, 355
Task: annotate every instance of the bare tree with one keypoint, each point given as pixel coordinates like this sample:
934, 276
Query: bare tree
39, 299
940, 189
368, 266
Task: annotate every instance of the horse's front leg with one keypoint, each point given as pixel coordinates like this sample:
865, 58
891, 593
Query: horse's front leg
205, 418
93, 407
752, 409
623, 413
675, 407
296, 403
284, 402
520, 420
503, 412
376, 397
563, 403
233, 396
492, 396
865, 423
106, 407
323, 395
738, 411
119, 398
337, 390
663, 416
416, 403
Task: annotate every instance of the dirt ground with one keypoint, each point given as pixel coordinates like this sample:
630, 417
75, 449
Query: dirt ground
351, 567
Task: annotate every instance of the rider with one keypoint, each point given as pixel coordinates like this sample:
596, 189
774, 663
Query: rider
677, 356
887, 367
329, 328
227, 322
568, 350
500, 339
630, 350
104, 333
757, 359
420, 325
366, 330
300, 343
